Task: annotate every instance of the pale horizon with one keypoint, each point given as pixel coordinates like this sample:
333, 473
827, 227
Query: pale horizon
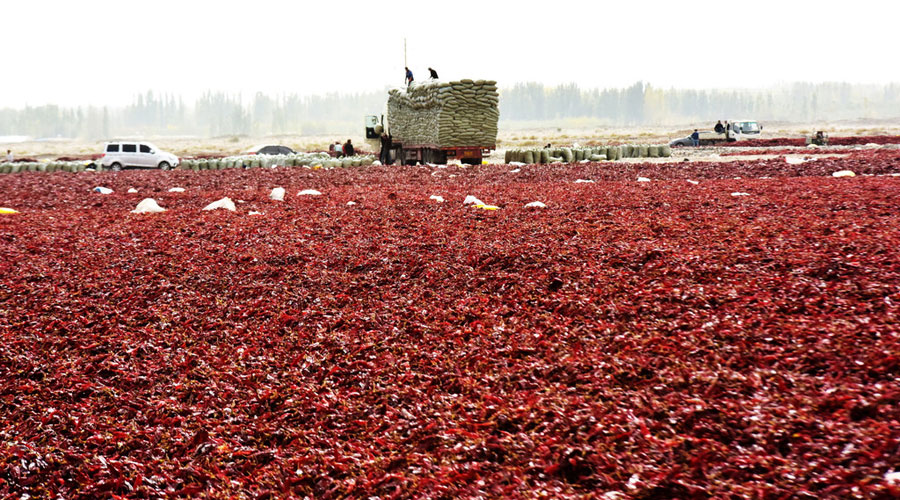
80, 54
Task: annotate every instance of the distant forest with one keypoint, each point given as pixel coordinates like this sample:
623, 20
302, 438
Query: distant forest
219, 114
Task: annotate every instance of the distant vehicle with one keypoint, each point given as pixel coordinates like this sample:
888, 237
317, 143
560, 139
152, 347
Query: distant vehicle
270, 149
119, 155
741, 130
746, 127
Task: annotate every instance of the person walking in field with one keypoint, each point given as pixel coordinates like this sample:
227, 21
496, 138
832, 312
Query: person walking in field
385, 149
348, 148
433, 73
695, 138
720, 129
9, 155
409, 77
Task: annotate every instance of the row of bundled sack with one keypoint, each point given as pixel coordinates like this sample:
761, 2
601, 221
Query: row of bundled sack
322, 160
53, 166
595, 153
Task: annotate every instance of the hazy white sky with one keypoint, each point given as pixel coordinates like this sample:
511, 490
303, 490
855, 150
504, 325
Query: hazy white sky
104, 52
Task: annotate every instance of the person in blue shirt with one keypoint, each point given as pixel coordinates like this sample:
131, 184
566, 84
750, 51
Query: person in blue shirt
695, 138
409, 76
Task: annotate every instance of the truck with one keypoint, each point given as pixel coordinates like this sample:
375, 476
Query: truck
741, 130
435, 122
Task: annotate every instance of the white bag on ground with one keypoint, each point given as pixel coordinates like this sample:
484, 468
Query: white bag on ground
225, 203
277, 194
309, 192
103, 190
471, 200
535, 204
148, 206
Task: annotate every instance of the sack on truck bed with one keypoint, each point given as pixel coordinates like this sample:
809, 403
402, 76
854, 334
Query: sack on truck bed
445, 114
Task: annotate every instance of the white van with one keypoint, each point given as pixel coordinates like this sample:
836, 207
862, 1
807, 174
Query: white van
119, 155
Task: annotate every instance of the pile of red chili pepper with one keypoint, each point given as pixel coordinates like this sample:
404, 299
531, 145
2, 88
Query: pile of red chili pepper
721, 338
857, 140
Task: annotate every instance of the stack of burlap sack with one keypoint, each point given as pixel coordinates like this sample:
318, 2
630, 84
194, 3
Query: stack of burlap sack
445, 114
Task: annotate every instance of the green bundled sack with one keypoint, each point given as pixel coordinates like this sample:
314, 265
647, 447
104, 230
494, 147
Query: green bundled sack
528, 158
653, 151
597, 157
665, 151
567, 155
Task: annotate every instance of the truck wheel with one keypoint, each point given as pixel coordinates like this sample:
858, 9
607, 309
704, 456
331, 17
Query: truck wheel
164, 165
116, 167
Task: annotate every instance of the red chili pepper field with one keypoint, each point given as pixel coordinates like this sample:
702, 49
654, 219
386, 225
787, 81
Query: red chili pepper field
722, 338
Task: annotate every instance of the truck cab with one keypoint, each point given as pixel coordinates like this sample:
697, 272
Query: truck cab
374, 127
410, 154
746, 127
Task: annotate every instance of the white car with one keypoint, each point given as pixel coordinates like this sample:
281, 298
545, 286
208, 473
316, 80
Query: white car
119, 155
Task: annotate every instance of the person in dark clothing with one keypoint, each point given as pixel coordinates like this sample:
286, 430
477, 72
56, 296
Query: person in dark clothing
695, 138
433, 73
348, 148
385, 149
720, 129
409, 76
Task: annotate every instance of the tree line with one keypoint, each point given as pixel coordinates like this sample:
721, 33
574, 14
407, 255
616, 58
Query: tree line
218, 113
